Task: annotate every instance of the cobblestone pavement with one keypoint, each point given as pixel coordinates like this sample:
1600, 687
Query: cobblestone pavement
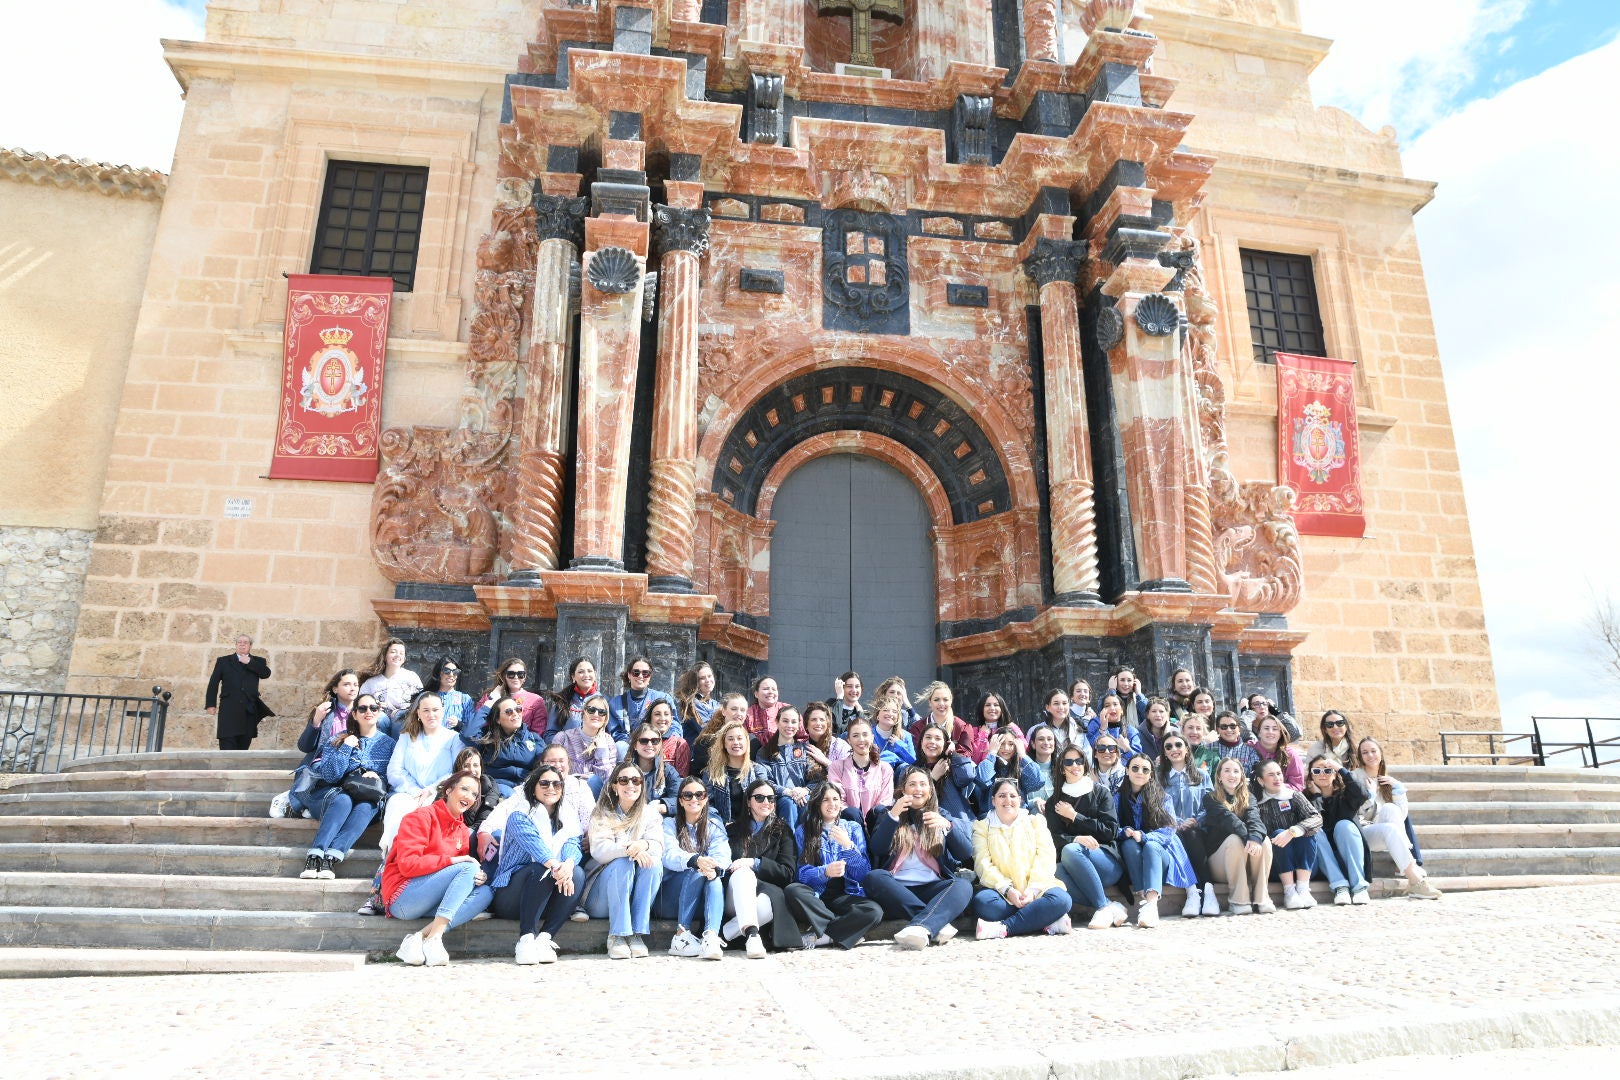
969, 1008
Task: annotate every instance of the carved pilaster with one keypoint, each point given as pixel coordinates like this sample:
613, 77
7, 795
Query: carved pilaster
560, 217
1041, 39
678, 228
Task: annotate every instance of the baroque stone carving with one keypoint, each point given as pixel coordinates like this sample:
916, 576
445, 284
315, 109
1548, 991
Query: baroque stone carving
560, 217
1055, 260
614, 270
972, 118
866, 285
438, 505
677, 228
1181, 260
1110, 327
492, 348
1156, 314
1041, 39
1117, 15
764, 119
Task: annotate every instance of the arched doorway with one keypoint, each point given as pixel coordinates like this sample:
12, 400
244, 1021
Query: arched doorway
852, 578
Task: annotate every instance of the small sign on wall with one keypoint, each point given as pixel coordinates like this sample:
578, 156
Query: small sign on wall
238, 508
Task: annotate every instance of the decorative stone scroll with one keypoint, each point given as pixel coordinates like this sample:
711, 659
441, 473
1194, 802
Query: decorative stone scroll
560, 217
1055, 260
678, 228
438, 507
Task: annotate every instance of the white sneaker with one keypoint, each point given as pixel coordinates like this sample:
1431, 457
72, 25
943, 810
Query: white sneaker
1292, 901
527, 951
1306, 900
685, 944
1240, 909
755, 946
1360, 896
1102, 919
1211, 905
1189, 910
1341, 896
410, 950
618, 948
1423, 889
712, 949
989, 931
279, 804
579, 915
911, 937
1147, 914
1121, 916
638, 947
946, 933
1061, 927
1264, 905
433, 950
545, 950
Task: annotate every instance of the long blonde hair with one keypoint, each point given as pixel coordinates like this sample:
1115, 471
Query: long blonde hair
607, 803
1238, 801
716, 771
912, 835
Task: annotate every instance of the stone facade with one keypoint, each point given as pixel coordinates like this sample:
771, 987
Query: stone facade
956, 270
39, 603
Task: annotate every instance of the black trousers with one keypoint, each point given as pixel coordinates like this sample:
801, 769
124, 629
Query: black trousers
1193, 841
236, 742
532, 898
842, 917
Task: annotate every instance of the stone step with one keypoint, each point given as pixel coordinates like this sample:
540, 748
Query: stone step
286, 760
1525, 792
164, 804
1528, 838
264, 781
60, 963
1515, 813
208, 860
184, 891
1512, 862
145, 829
1500, 774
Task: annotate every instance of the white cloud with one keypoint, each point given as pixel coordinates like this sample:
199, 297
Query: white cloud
86, 79
1403, 62
1518, 248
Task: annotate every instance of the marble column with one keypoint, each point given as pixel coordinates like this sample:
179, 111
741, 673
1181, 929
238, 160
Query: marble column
614, 278
682, 236
537, 509
1041, 35
1053, 266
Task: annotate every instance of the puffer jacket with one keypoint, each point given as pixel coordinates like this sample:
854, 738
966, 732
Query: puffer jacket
1020, 854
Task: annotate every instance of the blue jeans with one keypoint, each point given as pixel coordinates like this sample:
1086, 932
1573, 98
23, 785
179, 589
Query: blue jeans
1299, 854
448, 894
788, 810
692, 900
342, 822
1032, 918
623, 894
1145, 862
595, 782
1086, 872
929, 904
533, 899
1341, 859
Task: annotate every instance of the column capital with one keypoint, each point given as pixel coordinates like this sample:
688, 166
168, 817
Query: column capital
1055, 260
677, 228
560, 217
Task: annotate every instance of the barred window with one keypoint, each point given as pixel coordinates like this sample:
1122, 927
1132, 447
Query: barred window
1283, 315
371, 221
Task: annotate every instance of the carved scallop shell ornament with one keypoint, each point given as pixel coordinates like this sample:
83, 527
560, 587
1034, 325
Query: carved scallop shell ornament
1110, 328
1157, 315
614, 270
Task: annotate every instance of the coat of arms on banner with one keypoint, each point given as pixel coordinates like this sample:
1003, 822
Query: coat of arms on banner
334, 382
1318, 442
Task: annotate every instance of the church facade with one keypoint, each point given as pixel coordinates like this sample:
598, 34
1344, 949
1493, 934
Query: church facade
925, 338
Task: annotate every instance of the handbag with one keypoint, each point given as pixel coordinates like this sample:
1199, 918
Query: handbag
363, 788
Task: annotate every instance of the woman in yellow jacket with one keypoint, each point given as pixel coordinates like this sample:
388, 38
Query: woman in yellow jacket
1013, 855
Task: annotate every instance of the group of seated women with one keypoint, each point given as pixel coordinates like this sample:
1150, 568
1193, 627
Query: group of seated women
765, 826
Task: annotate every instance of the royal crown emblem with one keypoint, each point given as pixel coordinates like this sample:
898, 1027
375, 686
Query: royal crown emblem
1318, 442
333, 381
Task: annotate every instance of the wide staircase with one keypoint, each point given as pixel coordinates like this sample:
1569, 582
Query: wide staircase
174, 851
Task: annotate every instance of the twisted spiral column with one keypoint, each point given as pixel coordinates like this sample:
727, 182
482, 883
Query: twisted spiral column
1202, 572
1074, 515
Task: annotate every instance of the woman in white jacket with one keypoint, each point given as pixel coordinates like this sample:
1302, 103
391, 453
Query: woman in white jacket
1383, 818
627, 847
534, 838
424, 755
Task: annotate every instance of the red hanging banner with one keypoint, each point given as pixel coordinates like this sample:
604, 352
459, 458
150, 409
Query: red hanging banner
331, 380
1319, 444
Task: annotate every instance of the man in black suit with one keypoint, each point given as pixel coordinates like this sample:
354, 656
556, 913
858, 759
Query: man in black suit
233, 695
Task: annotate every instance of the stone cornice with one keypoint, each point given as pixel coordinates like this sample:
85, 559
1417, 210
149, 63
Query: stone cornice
1271, 42
97, 176
190, 59
1376, 187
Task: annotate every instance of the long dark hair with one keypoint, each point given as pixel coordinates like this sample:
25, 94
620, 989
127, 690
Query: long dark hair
437, 676
913, 834
1151, 796
945, 755
810, 855
531, 792
654, 785
492, 740
976, 718
765, 837
1195, 775
352, 723
380, 665
699, 833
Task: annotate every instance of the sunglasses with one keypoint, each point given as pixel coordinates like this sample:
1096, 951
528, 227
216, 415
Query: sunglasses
1107, 749
1139, 771
595, 710
1073, 762
1175, 746
515, 674
1335, 723
511, 712
1226, 727
694, 796
548, 783
628, 781
368, 708
648, 742
450, 671
1321, 772
641, 674
761, 797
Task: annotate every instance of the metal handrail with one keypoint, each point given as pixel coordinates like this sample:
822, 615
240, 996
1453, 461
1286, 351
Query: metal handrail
39, 730
1588, 749
1493, 755
1541, 748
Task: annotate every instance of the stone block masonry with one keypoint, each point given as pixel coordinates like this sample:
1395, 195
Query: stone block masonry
44, 573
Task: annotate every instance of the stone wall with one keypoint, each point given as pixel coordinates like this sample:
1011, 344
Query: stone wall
43, 579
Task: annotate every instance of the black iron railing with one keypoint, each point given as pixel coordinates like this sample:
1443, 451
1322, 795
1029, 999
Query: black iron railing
40, 731
1535, 747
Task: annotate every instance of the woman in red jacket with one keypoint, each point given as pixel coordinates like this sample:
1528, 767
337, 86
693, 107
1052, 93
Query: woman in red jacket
430, 869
